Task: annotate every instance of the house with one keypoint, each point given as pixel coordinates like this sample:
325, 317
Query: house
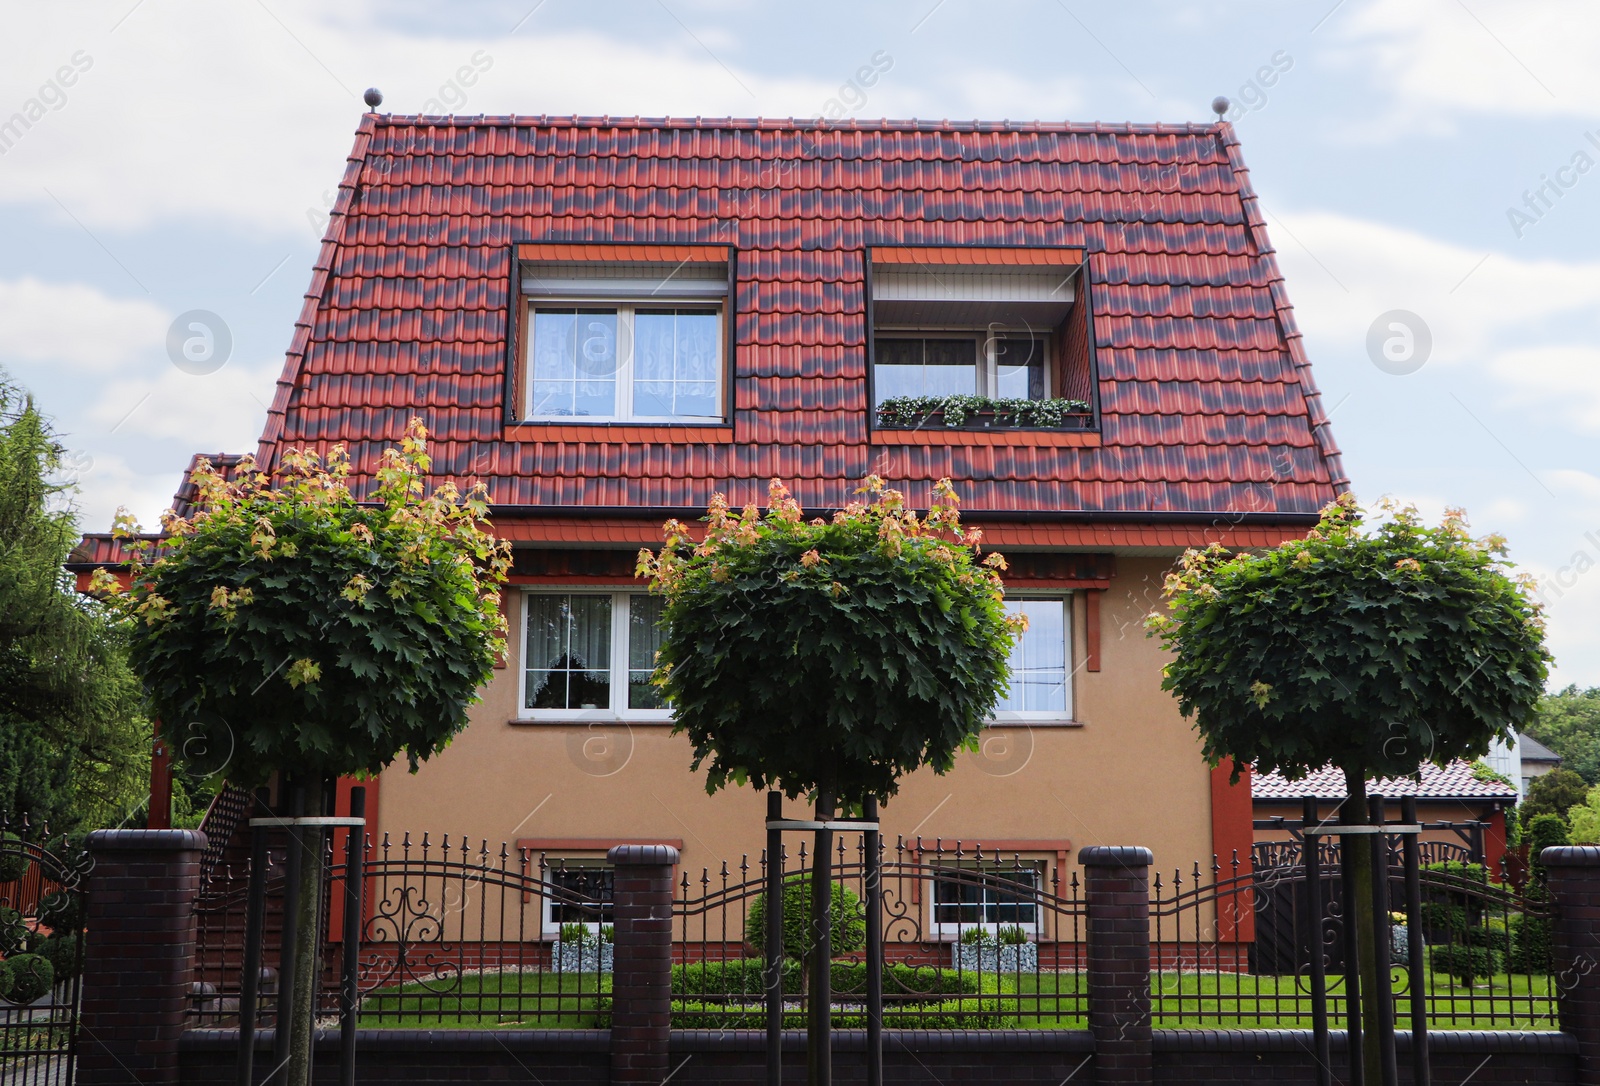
1462, 808
1537, 760
609, 320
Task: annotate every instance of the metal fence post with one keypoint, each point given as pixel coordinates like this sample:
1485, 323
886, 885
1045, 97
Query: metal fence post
1383, 986
1421, 1068
1352, 972
1311, 856
819, 1040
355, 856
774, 941
254, 926
872, 874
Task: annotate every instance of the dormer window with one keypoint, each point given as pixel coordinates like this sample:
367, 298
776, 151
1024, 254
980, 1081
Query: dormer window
980, 337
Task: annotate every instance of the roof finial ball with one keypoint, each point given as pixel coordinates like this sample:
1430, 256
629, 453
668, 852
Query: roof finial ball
1219, 105
374, 98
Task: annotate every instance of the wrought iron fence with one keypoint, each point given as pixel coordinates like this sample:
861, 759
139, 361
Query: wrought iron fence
973, 937
1234, 946
41, 941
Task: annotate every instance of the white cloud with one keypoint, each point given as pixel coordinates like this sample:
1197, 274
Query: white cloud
1515, 58
246, 112
1528, 323
75, 325
219, 412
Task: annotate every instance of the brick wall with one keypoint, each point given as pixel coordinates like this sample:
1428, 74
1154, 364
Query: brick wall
1575, 884
138, 954
986, 1057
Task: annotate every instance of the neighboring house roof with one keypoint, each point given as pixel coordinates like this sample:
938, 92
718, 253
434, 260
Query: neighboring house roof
1207, 403
1454, 781
1535, 751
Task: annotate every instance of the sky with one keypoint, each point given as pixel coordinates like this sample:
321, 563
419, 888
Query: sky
1429, 169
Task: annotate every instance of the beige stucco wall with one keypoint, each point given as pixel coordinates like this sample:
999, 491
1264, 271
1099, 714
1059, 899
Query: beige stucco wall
1129, 773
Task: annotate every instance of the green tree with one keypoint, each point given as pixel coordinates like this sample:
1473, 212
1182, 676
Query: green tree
294, 630
830, 656
1568, 723
1554, 793
1375, 651
74, 744
1584, 818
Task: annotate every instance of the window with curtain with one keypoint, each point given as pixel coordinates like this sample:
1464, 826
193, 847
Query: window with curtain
589, 655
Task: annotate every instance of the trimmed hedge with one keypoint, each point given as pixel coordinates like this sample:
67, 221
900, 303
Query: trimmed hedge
745, 977
848, 918
1531, 944
26, 977
1465, 963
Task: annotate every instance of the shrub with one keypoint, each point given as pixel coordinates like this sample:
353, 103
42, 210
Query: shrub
1531, 946
1465, 963
745, 977
27, 977
62, 911
576, 933
977, 937
63, 954
14, 858
732, 977
13, 932
848, 924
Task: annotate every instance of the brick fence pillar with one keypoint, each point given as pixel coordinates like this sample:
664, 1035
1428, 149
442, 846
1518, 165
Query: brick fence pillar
1117, 906
641, 971
1575, 886
138, 955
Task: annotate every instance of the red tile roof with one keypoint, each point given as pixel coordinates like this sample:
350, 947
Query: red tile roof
1206, 397
1454, 781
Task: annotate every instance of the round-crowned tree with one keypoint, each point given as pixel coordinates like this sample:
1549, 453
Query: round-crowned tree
287, 627
830, 656
1372, 650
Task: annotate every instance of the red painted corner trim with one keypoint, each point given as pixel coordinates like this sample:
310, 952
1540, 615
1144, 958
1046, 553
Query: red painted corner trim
1232, 833
1091, 630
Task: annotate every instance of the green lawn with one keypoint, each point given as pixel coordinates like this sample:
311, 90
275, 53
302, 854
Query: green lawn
1032, 1001
486, 1000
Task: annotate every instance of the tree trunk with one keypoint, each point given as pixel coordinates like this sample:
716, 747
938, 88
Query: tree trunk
308, 938
1357, 851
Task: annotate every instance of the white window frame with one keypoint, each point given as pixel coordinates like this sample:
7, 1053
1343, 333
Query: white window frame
988, 360
620, 612
1028, 716
952, 931
626, 307
548, 927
